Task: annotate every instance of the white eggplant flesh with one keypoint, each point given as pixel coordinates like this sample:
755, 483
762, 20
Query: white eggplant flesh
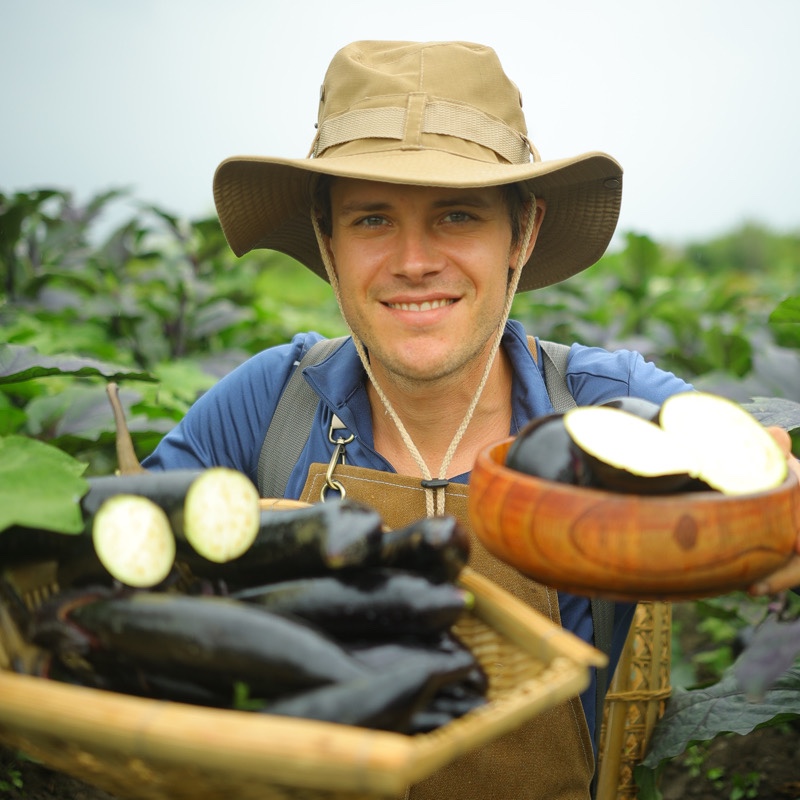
733, 452
221, 514
133, 540
628, 453
697, 436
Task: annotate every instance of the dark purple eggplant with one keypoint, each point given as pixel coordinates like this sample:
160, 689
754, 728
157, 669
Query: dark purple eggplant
628, 453
130, 541
132, 522
382, 603
387, 700
544, 449
166, 489
301, 542
441, 710
638, 406
20, 545
107, 672
378, 656
215, 640
437, 547
215, 510
117, 675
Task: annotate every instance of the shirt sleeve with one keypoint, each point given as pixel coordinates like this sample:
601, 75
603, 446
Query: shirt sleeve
226, 426
595, 375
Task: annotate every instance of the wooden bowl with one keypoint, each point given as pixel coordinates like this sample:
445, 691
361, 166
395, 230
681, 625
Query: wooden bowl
630, 547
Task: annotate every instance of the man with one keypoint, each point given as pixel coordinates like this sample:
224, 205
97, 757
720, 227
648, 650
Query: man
426, 207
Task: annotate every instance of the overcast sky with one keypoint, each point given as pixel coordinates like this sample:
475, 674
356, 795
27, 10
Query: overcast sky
698, 99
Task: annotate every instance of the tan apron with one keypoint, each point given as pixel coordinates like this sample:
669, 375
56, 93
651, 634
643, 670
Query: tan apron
548, 758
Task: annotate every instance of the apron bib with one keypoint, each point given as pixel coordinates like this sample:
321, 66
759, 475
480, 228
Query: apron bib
548, 758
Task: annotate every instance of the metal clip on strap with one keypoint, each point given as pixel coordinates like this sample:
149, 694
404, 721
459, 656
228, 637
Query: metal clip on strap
337, 458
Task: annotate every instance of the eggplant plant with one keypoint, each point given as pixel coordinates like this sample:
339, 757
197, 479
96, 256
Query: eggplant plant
160, 305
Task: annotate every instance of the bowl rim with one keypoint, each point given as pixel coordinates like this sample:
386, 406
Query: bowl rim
487, 456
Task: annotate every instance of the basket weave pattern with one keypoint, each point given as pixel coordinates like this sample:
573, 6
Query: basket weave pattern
635, 700
154, 750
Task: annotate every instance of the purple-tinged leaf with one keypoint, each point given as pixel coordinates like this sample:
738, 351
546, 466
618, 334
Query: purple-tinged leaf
775, 411
19, 363
771, 650
698, 715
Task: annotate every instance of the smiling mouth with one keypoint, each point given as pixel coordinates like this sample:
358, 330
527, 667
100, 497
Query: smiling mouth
427, 305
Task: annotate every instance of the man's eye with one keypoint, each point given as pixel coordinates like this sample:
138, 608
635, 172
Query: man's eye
458, 216
371, 221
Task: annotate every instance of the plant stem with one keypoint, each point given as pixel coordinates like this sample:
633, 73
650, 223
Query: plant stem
127, 461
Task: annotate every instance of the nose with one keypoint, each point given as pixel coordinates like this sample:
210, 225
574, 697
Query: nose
416, 254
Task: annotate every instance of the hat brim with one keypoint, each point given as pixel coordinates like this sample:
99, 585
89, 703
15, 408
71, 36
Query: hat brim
265, 202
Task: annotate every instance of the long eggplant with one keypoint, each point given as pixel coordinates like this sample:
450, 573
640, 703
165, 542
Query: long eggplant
215, 510
129, 540
381, 603
434, 546
301, 542
440, 711
386, 700
132, 522
217, 641
381, 655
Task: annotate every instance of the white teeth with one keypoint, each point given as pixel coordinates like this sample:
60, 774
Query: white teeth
426, 306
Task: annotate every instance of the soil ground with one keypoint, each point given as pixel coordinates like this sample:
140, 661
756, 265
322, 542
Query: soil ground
764, 765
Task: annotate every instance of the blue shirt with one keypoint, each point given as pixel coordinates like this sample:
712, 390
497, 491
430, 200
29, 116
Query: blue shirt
227, 425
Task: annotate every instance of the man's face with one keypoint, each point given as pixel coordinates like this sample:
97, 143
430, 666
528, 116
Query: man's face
423, 273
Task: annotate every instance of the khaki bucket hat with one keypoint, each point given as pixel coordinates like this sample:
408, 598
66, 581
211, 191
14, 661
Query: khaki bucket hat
427, 114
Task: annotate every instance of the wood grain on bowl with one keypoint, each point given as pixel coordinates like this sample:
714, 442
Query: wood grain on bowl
625, 546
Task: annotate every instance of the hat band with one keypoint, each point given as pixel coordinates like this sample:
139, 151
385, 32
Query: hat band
439, 117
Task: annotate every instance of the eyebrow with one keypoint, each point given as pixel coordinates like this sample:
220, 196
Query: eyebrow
469, 200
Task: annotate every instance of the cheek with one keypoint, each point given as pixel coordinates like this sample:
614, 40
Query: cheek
355, 266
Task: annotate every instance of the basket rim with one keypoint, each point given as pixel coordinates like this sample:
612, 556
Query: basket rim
298, 752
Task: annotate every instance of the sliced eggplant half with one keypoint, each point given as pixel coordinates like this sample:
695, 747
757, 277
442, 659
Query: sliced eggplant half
732, 451
543, 448
215, 510
133, 540
222, 514
627, 453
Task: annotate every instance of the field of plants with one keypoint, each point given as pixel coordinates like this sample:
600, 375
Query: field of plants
160, 305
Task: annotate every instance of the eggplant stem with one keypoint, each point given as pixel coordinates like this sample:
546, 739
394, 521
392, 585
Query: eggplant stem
127, 462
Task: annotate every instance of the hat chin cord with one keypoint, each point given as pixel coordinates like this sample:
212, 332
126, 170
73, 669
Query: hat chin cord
434, 495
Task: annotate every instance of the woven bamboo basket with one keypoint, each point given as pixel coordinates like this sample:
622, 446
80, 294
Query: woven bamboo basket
154, 750
635, 700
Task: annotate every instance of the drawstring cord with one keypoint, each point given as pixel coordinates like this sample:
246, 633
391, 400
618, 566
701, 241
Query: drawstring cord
434, 487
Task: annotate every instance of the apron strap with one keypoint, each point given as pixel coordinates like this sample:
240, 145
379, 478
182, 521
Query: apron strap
550, 757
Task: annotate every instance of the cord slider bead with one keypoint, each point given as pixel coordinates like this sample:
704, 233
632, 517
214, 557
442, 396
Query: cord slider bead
434, 483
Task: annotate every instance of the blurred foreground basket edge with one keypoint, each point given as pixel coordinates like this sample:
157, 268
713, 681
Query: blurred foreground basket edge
140, 748
636, 699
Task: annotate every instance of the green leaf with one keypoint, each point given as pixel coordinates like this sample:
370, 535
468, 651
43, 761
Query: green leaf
701, 714
19, 363
647, 781
787, 311
40, 486
11, 418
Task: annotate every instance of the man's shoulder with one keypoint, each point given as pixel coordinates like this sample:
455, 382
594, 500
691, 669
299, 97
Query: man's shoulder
596, 374
278, 358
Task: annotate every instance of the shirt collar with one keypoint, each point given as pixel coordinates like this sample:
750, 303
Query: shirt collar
340, 382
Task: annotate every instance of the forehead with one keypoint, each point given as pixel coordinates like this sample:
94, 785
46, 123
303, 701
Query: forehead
347, 192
